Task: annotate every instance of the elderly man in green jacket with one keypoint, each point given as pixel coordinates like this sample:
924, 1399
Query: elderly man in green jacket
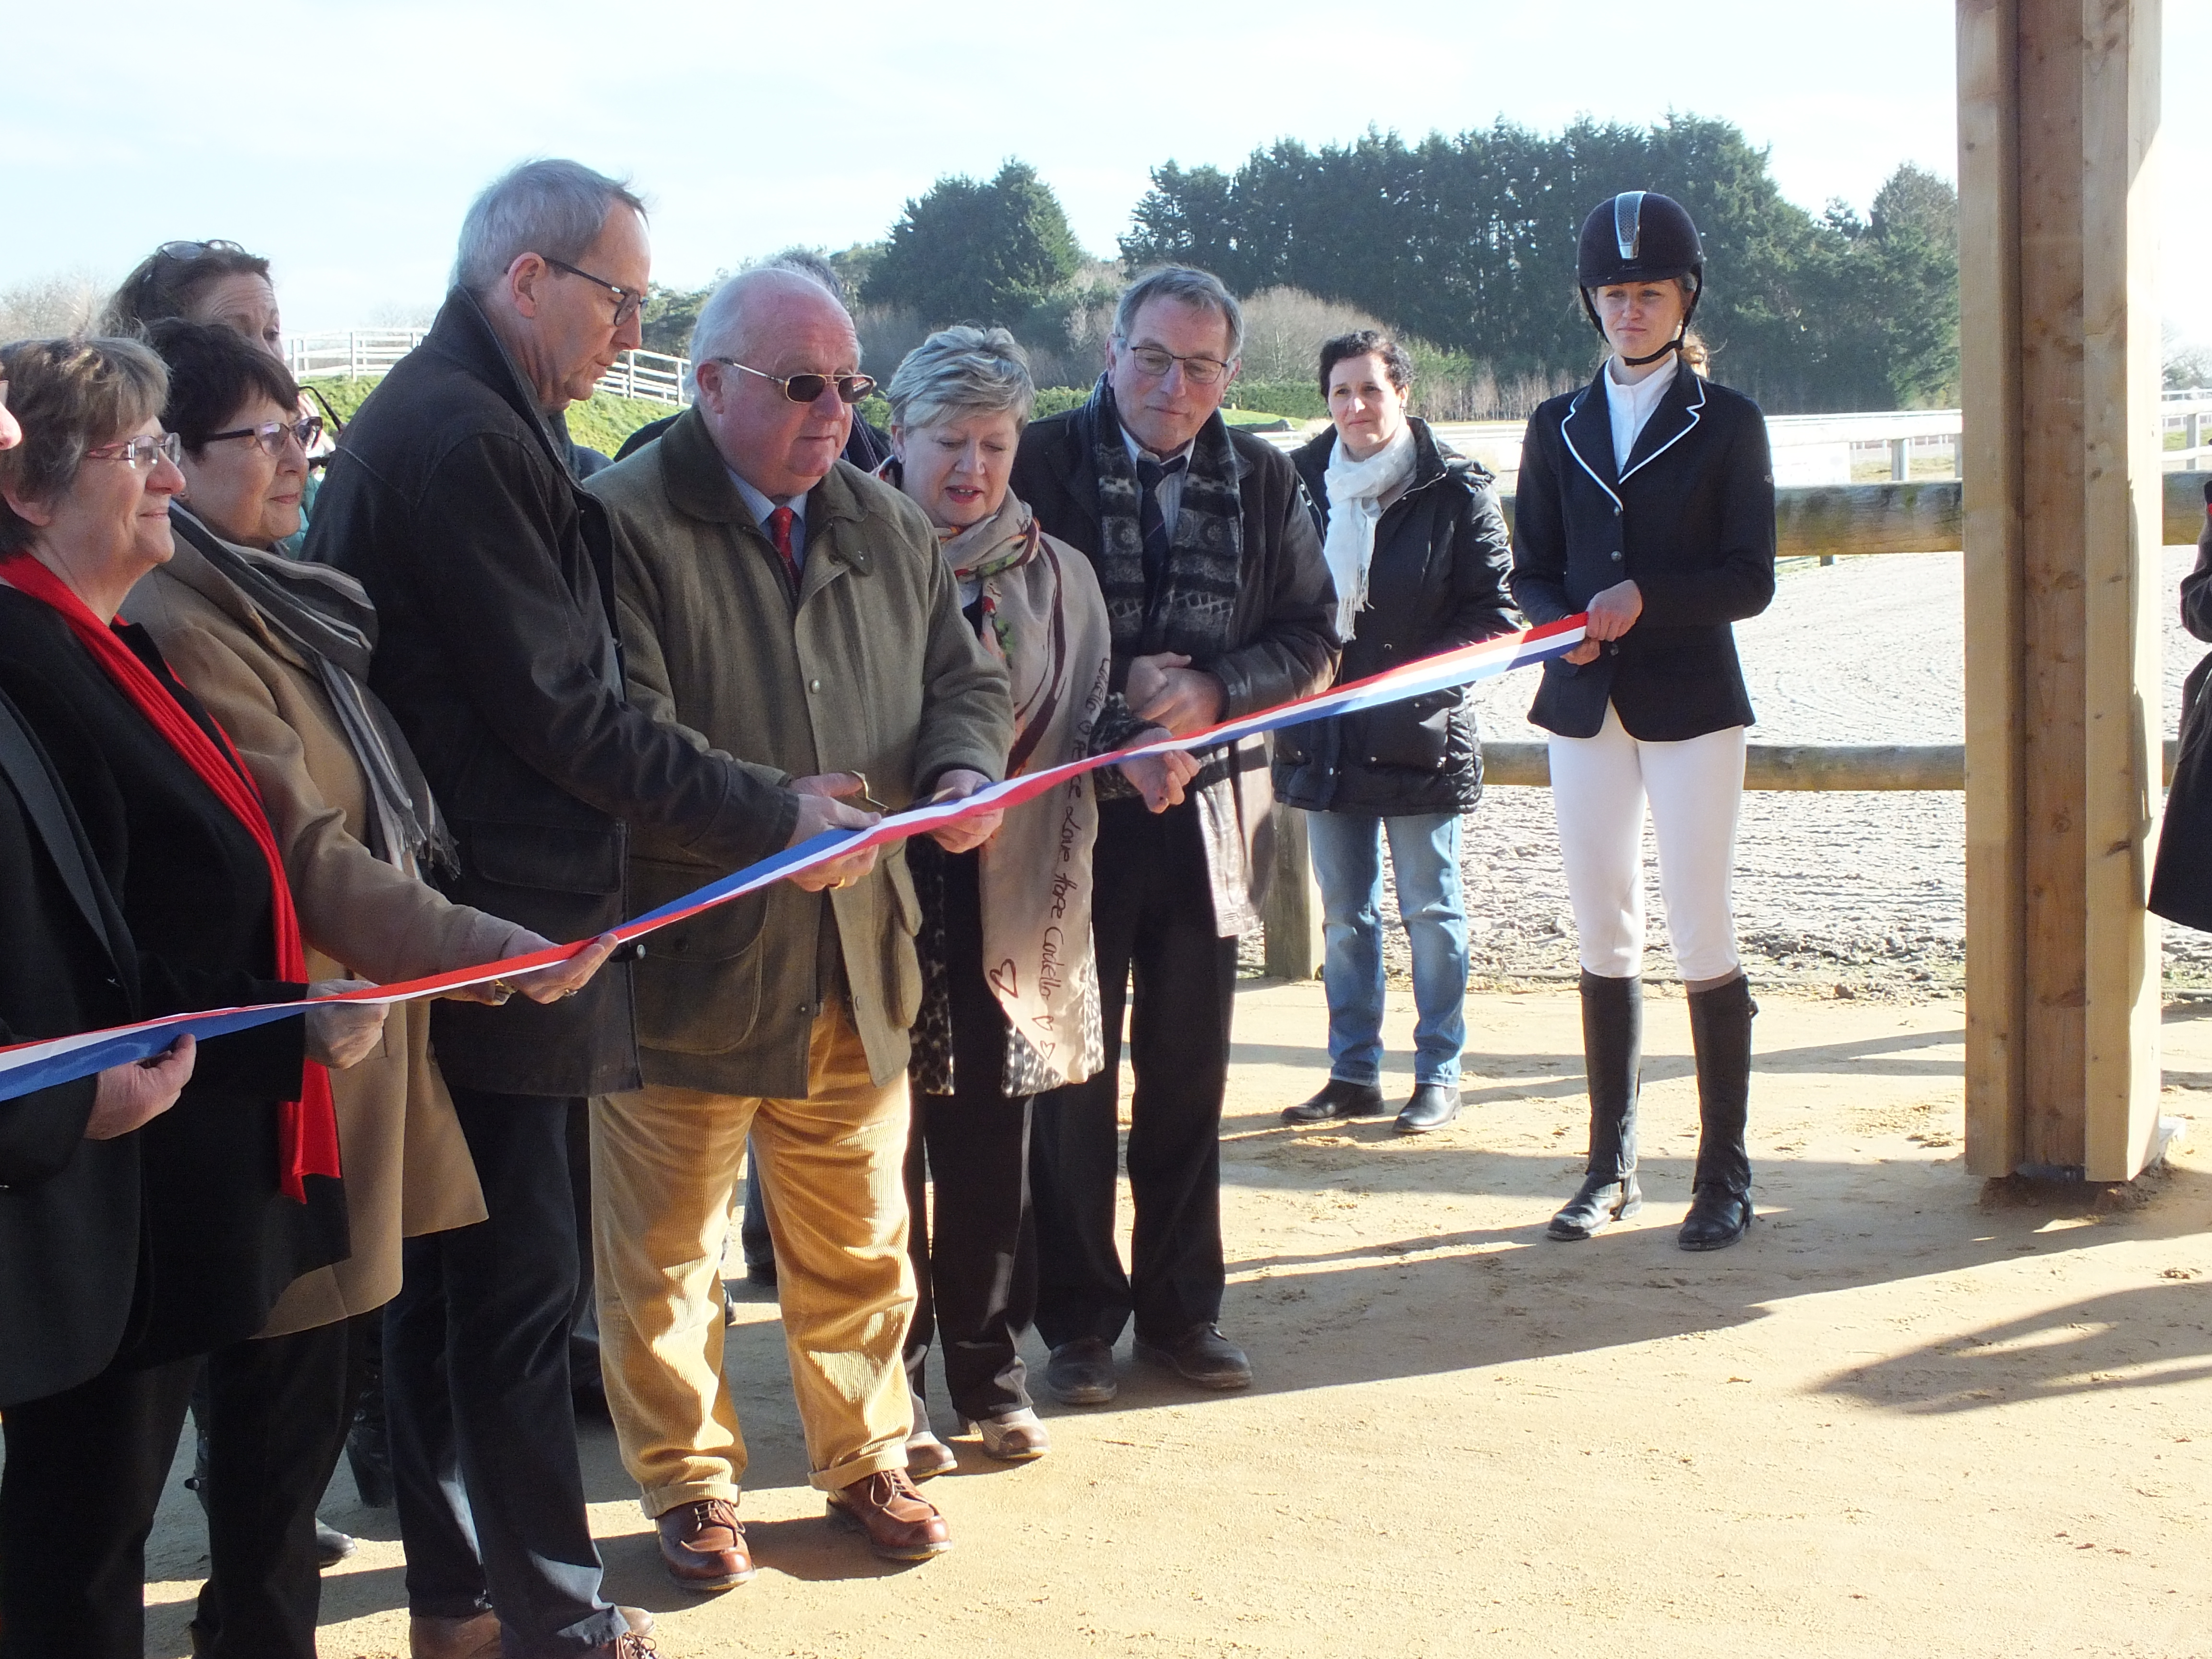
788, 610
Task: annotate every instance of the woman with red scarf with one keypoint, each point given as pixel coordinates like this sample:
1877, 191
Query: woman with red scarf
241, 1187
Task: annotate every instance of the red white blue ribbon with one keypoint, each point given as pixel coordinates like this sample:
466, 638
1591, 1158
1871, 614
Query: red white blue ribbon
30, 1065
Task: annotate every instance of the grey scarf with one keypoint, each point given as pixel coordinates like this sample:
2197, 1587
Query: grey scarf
326, 617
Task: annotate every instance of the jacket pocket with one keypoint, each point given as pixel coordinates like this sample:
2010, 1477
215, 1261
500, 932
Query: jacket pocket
549, 858
904, 922
699, 983
1416, 733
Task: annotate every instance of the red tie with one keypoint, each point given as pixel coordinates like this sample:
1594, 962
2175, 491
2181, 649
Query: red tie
779, 527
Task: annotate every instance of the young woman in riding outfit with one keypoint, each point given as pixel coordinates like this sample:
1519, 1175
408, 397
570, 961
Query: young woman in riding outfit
1647, 500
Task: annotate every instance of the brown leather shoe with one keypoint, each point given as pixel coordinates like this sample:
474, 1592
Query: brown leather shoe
901, 1524
703, 1546
474, 1637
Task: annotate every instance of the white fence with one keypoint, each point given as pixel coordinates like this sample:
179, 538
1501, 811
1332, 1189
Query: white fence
1812, 450
358, 353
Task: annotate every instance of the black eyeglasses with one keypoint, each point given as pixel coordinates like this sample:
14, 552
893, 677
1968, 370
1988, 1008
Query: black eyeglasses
627, 302
1157, 361
807, 388
271, 434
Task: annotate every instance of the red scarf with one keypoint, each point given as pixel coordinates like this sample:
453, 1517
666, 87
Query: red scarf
306, 1129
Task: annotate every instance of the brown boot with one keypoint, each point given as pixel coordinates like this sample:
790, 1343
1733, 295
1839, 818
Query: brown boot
703, 1546
901, 1524
474, 1637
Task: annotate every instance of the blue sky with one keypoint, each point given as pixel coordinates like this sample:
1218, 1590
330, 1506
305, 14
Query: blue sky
345, 139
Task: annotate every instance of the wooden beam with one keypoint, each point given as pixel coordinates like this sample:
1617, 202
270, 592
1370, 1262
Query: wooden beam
1990, 467
2062, 501
1293, 914
2122, 601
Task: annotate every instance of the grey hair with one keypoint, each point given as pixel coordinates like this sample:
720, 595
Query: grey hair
1198, 288
962, 370
809, 263
553, 209
720, 327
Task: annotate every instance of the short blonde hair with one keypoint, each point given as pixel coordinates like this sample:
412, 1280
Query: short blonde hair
962, 370
70, 395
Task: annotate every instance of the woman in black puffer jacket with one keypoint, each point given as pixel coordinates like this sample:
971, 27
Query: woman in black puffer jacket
1419, 549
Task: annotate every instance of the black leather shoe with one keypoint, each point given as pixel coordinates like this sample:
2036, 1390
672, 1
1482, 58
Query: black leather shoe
332, 1546
1081, 1372
1601, 1202
1202, 1356
1716, 1219
1433, 1105
761, 1272
1338, 1098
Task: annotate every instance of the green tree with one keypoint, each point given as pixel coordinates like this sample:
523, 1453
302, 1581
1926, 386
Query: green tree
1469, 240
1000, 251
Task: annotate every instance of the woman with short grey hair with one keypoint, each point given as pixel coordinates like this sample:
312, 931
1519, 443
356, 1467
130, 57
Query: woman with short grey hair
1010, 994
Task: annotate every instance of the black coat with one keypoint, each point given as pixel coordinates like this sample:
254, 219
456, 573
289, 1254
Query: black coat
1281, 633
1438, 581
1689, 520
2181, 880
221, 1239
69, 1206
492, 572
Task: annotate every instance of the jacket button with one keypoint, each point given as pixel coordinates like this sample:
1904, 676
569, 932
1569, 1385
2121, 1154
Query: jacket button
1616, 559
816, 685
1616, 509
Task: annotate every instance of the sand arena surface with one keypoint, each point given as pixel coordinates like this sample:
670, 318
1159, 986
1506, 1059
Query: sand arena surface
1894, 1420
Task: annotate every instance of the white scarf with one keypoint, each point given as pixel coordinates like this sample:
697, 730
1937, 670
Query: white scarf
1357, 490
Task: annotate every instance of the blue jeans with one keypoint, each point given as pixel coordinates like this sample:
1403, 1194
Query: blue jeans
1348, 857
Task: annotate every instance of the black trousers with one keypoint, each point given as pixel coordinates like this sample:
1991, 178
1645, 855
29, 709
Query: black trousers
85, 1471
476, 1378
974, 1249
277, 1414
1152, 920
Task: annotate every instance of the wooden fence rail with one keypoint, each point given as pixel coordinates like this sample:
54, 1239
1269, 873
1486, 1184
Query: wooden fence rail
1824, 523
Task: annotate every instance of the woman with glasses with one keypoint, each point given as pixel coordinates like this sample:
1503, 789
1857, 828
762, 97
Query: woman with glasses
987, 1043
241, 1193
220, 284
1647, 500
1417, 547
276, 652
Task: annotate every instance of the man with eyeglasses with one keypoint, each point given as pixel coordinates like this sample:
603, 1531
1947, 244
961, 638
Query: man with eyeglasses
1220, 605
781, 606
452, 499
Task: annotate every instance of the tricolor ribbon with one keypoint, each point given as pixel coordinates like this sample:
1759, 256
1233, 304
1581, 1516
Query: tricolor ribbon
25, 1067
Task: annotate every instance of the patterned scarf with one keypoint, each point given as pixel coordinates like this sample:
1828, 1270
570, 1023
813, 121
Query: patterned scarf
1190, 608
325, 618
306, 1129
1040, 622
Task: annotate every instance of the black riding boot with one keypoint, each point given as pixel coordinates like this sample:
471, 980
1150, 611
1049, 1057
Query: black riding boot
1613, 1053
1720, 1197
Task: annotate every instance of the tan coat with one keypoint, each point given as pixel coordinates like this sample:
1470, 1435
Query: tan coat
406, 1166
878, 672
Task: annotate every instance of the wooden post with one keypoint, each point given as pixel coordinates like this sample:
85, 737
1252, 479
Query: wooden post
2057, 116
1292, 917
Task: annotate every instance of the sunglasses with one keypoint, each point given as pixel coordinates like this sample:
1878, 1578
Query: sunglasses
271, 434
140, 453
807, 388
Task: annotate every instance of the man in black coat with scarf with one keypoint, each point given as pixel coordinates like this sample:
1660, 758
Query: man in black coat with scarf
1220, 605
452, 500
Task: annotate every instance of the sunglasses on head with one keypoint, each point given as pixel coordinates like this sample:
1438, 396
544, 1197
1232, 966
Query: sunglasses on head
807, 388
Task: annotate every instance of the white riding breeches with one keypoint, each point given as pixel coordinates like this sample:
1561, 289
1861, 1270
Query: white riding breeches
1599, 787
